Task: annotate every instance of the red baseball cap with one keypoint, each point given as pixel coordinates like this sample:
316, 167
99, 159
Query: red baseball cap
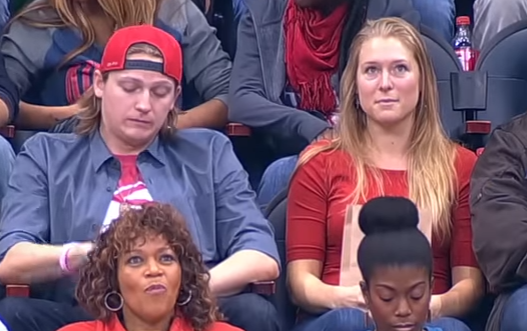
114, 56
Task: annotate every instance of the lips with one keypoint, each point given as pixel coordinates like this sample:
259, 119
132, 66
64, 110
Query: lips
156, 289
387, 101
404, 327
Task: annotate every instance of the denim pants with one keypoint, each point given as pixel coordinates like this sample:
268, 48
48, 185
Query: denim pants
514, 316
438, 15
7, 159
350, 319
275, 179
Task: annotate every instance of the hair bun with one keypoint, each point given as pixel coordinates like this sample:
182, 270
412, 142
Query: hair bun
388, 214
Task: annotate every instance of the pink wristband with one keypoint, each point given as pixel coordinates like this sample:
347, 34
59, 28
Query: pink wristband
63, 260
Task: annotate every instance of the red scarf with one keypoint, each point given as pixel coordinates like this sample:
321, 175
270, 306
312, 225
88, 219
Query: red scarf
312, 54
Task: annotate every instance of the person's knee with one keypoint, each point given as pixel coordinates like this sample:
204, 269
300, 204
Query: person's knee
344, 319
250, 312
449, 324
281, 168
275, 179
7, 159
14, 311
514, 317
492, 16
438, 15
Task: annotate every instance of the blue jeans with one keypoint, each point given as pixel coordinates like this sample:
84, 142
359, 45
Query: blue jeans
350, 319
514, 316
7, 159
275, 179
438, 15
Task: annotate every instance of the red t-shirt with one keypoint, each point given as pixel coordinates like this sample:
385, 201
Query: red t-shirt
131, 189
115, 325
316, 209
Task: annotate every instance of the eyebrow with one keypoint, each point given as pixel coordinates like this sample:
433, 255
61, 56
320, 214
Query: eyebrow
393, 287
137, 80
398, 61
161, 249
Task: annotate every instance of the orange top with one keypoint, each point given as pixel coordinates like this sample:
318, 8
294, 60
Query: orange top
115, 325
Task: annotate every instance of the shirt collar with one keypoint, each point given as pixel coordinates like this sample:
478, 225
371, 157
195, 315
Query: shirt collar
99, 152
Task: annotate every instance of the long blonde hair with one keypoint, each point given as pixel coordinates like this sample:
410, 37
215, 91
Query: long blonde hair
122, 13
431, 156
90, 105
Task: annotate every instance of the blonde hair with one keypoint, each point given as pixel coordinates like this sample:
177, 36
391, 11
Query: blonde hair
431, 173
122, 13
90, 105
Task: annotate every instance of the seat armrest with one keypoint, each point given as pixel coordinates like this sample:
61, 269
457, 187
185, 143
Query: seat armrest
237, 130
17, 290
264, 288
7, 131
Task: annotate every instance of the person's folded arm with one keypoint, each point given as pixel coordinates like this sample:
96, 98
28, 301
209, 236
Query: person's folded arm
306, 244
400, 8
206, 67
9, 97
498, 201
468, 284
24, 225
24, 49
248, 102
245, 238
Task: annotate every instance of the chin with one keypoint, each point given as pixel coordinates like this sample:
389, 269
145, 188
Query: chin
138, 137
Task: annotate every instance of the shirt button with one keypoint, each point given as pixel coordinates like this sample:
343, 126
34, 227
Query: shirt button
108, 188
94, 227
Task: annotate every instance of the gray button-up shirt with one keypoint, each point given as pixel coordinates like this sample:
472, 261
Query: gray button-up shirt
62, 185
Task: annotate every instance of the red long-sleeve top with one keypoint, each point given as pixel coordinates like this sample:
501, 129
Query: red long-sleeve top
316, 210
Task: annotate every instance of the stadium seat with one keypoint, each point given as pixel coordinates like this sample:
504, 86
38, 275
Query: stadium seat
503, 61
462, 94
276, 214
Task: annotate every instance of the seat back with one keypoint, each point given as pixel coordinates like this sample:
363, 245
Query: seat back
503, 59
276, 213
445, 62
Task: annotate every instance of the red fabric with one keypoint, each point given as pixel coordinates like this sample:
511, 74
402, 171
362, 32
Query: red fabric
130, 183
114, 55
315, 215
115, 325
312, 54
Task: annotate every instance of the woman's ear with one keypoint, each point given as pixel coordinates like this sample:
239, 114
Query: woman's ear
365, 292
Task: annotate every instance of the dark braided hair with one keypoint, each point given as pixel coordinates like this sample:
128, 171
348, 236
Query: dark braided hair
391, 236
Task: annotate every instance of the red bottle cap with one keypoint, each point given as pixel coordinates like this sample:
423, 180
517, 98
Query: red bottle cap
463, 20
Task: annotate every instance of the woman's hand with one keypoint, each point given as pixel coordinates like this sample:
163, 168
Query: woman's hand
350, 297
435, 307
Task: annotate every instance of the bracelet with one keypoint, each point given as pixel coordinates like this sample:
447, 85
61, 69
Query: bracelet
63, 260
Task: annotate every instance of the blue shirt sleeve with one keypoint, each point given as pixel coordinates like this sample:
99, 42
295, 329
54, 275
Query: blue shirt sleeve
240, 223
25, 207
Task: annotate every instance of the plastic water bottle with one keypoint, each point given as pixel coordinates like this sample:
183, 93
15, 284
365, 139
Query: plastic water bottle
463, 43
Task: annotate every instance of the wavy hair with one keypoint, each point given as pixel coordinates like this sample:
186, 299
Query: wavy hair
99, 276
69, 13
431, 172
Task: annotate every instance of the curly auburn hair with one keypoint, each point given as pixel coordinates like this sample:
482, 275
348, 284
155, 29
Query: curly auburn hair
99, 276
